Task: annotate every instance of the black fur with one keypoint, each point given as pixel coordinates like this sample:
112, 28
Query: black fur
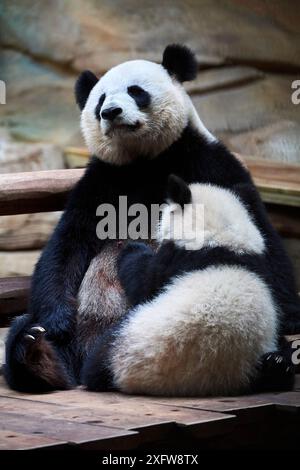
96, 371
67, 255
84, 84
141, 96
180, 62
276, 371
178, 191
99, 106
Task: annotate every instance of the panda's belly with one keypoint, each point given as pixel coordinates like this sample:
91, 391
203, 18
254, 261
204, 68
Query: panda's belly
101, 299
203, 335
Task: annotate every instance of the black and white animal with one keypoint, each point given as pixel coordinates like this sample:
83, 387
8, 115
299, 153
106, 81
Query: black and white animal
204, 316
140, 126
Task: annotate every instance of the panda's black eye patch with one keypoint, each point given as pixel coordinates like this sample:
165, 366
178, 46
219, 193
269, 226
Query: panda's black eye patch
141, 96
99, 106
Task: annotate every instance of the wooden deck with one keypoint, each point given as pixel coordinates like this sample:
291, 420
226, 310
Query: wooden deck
111, 421
82, 420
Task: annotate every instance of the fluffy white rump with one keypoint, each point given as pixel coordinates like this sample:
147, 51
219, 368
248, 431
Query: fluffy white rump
202, 336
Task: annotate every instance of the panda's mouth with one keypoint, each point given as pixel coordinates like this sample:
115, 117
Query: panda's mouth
123, 127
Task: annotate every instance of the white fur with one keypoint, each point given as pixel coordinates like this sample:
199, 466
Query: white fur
160, 125
224, 222
197, 123
203, 335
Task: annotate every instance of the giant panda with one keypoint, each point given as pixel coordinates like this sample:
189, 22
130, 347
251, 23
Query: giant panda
203, 316
140, 126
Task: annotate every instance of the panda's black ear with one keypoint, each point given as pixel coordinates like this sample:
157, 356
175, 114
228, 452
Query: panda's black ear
83, 86
178, 191
180, 62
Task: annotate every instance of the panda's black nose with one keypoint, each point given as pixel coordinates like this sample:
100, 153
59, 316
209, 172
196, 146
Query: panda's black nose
111, 113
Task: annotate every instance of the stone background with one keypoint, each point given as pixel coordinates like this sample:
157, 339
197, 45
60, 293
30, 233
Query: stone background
248, 51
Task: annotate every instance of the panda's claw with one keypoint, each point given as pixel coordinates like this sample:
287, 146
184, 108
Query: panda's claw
35, 333
38, 329
29, 338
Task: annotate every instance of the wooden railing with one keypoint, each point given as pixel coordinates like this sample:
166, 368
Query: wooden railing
43, 191
38, 191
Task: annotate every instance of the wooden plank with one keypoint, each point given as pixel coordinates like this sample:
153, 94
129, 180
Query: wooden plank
288, 401
246, 408
285, 219
14, 286
278, 183
152, 417
285, 174
43, 191
153, 422
85, 435
11, 440
38, 191
14, 294
114, 409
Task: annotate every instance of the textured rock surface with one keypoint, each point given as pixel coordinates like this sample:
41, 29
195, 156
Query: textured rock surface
252, 50
16, 157
26, 231
18, 263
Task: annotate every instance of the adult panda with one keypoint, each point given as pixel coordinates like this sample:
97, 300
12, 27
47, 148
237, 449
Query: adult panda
204, 316
140, 126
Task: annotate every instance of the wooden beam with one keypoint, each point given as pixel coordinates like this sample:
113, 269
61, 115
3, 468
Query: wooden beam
278, 183
38, 191
14, 294
43, 191
285, 219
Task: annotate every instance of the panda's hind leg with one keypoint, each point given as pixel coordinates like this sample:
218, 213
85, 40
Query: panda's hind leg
33, 363
276, 371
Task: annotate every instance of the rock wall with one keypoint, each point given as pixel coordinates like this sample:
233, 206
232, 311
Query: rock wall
248, 51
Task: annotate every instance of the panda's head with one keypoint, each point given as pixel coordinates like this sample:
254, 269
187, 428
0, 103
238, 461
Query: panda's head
138, 108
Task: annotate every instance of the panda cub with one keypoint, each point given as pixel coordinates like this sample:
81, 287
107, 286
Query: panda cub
202, 313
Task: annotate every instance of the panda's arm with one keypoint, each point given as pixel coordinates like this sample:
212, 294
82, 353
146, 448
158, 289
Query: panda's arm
59, 272
66, 257
143, 273
134, 271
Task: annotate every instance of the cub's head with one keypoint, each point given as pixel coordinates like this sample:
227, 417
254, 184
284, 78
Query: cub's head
199, 215
182, 218
138, 108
